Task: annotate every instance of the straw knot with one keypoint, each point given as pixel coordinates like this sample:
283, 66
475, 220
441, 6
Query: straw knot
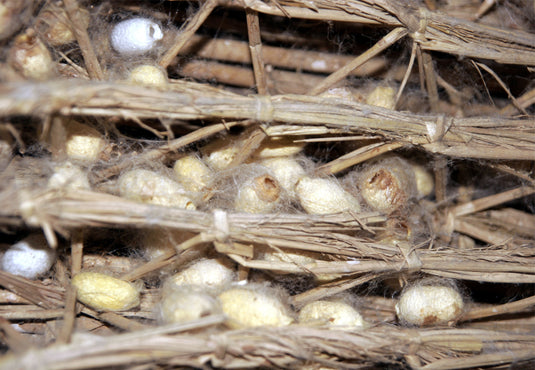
437, 130
264, 108
411, 257
221, 227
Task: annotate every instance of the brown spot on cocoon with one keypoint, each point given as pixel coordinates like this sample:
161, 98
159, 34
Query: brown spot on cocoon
267, 188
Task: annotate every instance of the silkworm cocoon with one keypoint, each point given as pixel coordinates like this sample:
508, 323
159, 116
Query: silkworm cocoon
332, 313
68, 176
192, 173
135, 36
105, 293
279, 147
250, 308
210, 273
322, 196
151, 187
388, 184
429, 305
220, 153
30, 257
76, 141
286, 170
260, 194
425, 183
31, 57
382, 96
186, 303
148, 75
53, 24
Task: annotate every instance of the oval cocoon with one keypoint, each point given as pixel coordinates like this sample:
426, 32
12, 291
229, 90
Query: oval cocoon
209, 273
250, 308
105, 293
429, 305
332, 313
321, 196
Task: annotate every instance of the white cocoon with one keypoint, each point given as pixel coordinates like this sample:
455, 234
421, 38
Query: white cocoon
332, 313
135, 36
429, 305
151, 187
211, 273
250, 308
68, 176
322, 196
186, 303
30, 258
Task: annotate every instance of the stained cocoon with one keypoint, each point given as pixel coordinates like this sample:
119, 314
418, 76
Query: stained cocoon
135, 36
151, 187
249, 307
259, 194
286, 170
105, 293
388, 184
31, 57
193, 173
29, 258
209, 273
322, 196
148, 75
331, 313
186, 303
423, 305
68, 176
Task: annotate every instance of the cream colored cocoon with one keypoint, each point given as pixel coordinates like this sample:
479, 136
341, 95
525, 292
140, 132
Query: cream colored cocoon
193, 173
252, 307
186, 303
332, 313
278, 147
105, 293
148, 75
260, 194
151, 187
210, 273
429, 305
322, 196
68, 176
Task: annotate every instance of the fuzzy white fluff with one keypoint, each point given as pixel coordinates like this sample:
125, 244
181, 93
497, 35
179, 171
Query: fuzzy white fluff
29, 258
135, 36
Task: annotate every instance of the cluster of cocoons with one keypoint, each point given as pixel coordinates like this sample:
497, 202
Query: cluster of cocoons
29, 258
423, 305
105, 293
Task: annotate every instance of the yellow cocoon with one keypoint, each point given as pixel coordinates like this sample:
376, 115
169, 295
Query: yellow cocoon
322, 196
193, 173
250, 308
31, 57
151, 187
76, 141
186, 303
286, 170
148, 75
429, 305
278, 147
425, 183
105, 293
388, 184
68, 176
210, 273
260, 194
382, 96
332, 313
